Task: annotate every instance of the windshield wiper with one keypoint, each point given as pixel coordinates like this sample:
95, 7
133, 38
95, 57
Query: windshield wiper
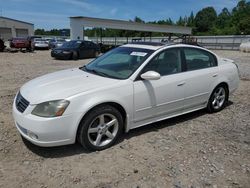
97, 72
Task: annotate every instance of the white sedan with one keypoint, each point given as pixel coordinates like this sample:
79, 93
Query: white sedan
128, 87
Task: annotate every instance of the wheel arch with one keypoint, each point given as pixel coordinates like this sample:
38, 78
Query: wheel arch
226, 85
222, 83
116, 105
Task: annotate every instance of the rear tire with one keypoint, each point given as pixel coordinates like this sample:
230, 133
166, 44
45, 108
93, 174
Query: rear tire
218, 99
100, 128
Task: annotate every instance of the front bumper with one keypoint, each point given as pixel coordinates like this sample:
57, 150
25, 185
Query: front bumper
46, 131
60, 55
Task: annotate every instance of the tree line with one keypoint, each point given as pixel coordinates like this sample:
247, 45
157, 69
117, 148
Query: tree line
205, 22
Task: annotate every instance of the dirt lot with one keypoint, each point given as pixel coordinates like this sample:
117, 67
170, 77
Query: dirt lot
194, 150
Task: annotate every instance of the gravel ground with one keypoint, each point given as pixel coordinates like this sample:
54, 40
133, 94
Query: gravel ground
194, 150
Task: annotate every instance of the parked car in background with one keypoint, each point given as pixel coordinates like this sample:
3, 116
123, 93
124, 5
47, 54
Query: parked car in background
2, 46
40, 43
21, 43
48, 39
31, 38
55, 43
125, 88
76, 49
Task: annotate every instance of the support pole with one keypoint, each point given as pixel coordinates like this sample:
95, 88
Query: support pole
169, 36
76, 30
101, 35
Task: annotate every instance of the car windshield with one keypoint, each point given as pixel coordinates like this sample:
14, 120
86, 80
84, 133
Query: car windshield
19, 38
40, 40
71, 44
119, 63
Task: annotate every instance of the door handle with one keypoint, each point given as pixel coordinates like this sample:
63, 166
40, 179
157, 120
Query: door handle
181, 84
215, 75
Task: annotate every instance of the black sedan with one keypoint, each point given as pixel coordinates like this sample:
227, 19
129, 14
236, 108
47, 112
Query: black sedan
76, 49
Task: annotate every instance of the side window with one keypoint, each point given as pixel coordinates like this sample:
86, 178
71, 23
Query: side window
198, 59
91, 44
83, 45
166, 62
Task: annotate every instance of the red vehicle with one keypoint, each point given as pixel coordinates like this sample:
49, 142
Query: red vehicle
21, 42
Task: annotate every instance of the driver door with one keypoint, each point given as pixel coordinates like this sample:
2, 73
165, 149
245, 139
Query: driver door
164, 97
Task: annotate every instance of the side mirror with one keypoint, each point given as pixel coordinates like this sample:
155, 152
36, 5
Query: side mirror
151, 75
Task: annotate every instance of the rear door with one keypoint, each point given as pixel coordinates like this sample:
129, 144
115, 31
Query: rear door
201, 71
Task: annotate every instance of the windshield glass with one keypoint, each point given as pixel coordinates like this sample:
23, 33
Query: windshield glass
40, 40
119, 63
71, 44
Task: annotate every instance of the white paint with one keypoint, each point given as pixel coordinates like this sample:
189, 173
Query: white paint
145, 101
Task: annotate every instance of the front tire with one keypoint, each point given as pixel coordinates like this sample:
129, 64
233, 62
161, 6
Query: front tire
218, 99
100, 128
75, 56
96, 54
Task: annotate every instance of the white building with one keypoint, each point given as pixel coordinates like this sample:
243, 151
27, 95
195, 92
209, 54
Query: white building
14, 28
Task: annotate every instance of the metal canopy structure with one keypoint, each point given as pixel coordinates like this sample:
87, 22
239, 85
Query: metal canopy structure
78, 23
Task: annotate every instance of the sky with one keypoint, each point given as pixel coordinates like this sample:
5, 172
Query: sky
49, 14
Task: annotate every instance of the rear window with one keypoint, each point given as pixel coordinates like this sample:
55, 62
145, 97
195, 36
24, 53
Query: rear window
198, 59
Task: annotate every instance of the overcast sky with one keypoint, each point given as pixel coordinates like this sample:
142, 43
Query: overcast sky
50, 14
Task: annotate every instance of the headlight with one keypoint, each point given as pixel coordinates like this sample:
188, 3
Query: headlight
50, 108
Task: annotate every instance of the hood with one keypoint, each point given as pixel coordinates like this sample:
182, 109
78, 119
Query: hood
62, 84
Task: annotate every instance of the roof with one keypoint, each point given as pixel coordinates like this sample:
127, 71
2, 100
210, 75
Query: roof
16, 20
157, 45
146, 45
149, 43
128, 25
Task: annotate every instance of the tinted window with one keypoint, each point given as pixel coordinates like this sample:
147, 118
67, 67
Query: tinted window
72, 44
198, 59
86, 44
166, 62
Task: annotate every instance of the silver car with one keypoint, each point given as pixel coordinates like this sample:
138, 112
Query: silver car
40, 43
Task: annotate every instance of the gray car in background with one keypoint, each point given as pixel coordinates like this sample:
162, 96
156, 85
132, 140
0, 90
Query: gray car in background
40, 43
54, 43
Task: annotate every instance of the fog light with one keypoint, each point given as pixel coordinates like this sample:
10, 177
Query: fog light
32, 135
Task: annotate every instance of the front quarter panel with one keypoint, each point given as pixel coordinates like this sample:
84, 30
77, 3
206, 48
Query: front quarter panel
121, 93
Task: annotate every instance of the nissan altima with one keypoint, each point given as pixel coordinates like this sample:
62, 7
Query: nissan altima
127, 87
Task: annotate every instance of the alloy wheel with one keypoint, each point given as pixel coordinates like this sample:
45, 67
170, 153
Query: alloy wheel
103, 129
219, 98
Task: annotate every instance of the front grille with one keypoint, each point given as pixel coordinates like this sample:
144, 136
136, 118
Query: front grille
21, 103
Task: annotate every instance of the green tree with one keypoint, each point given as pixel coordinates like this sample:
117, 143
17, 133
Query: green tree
205, 19
190, 21
241, 17
224, 18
